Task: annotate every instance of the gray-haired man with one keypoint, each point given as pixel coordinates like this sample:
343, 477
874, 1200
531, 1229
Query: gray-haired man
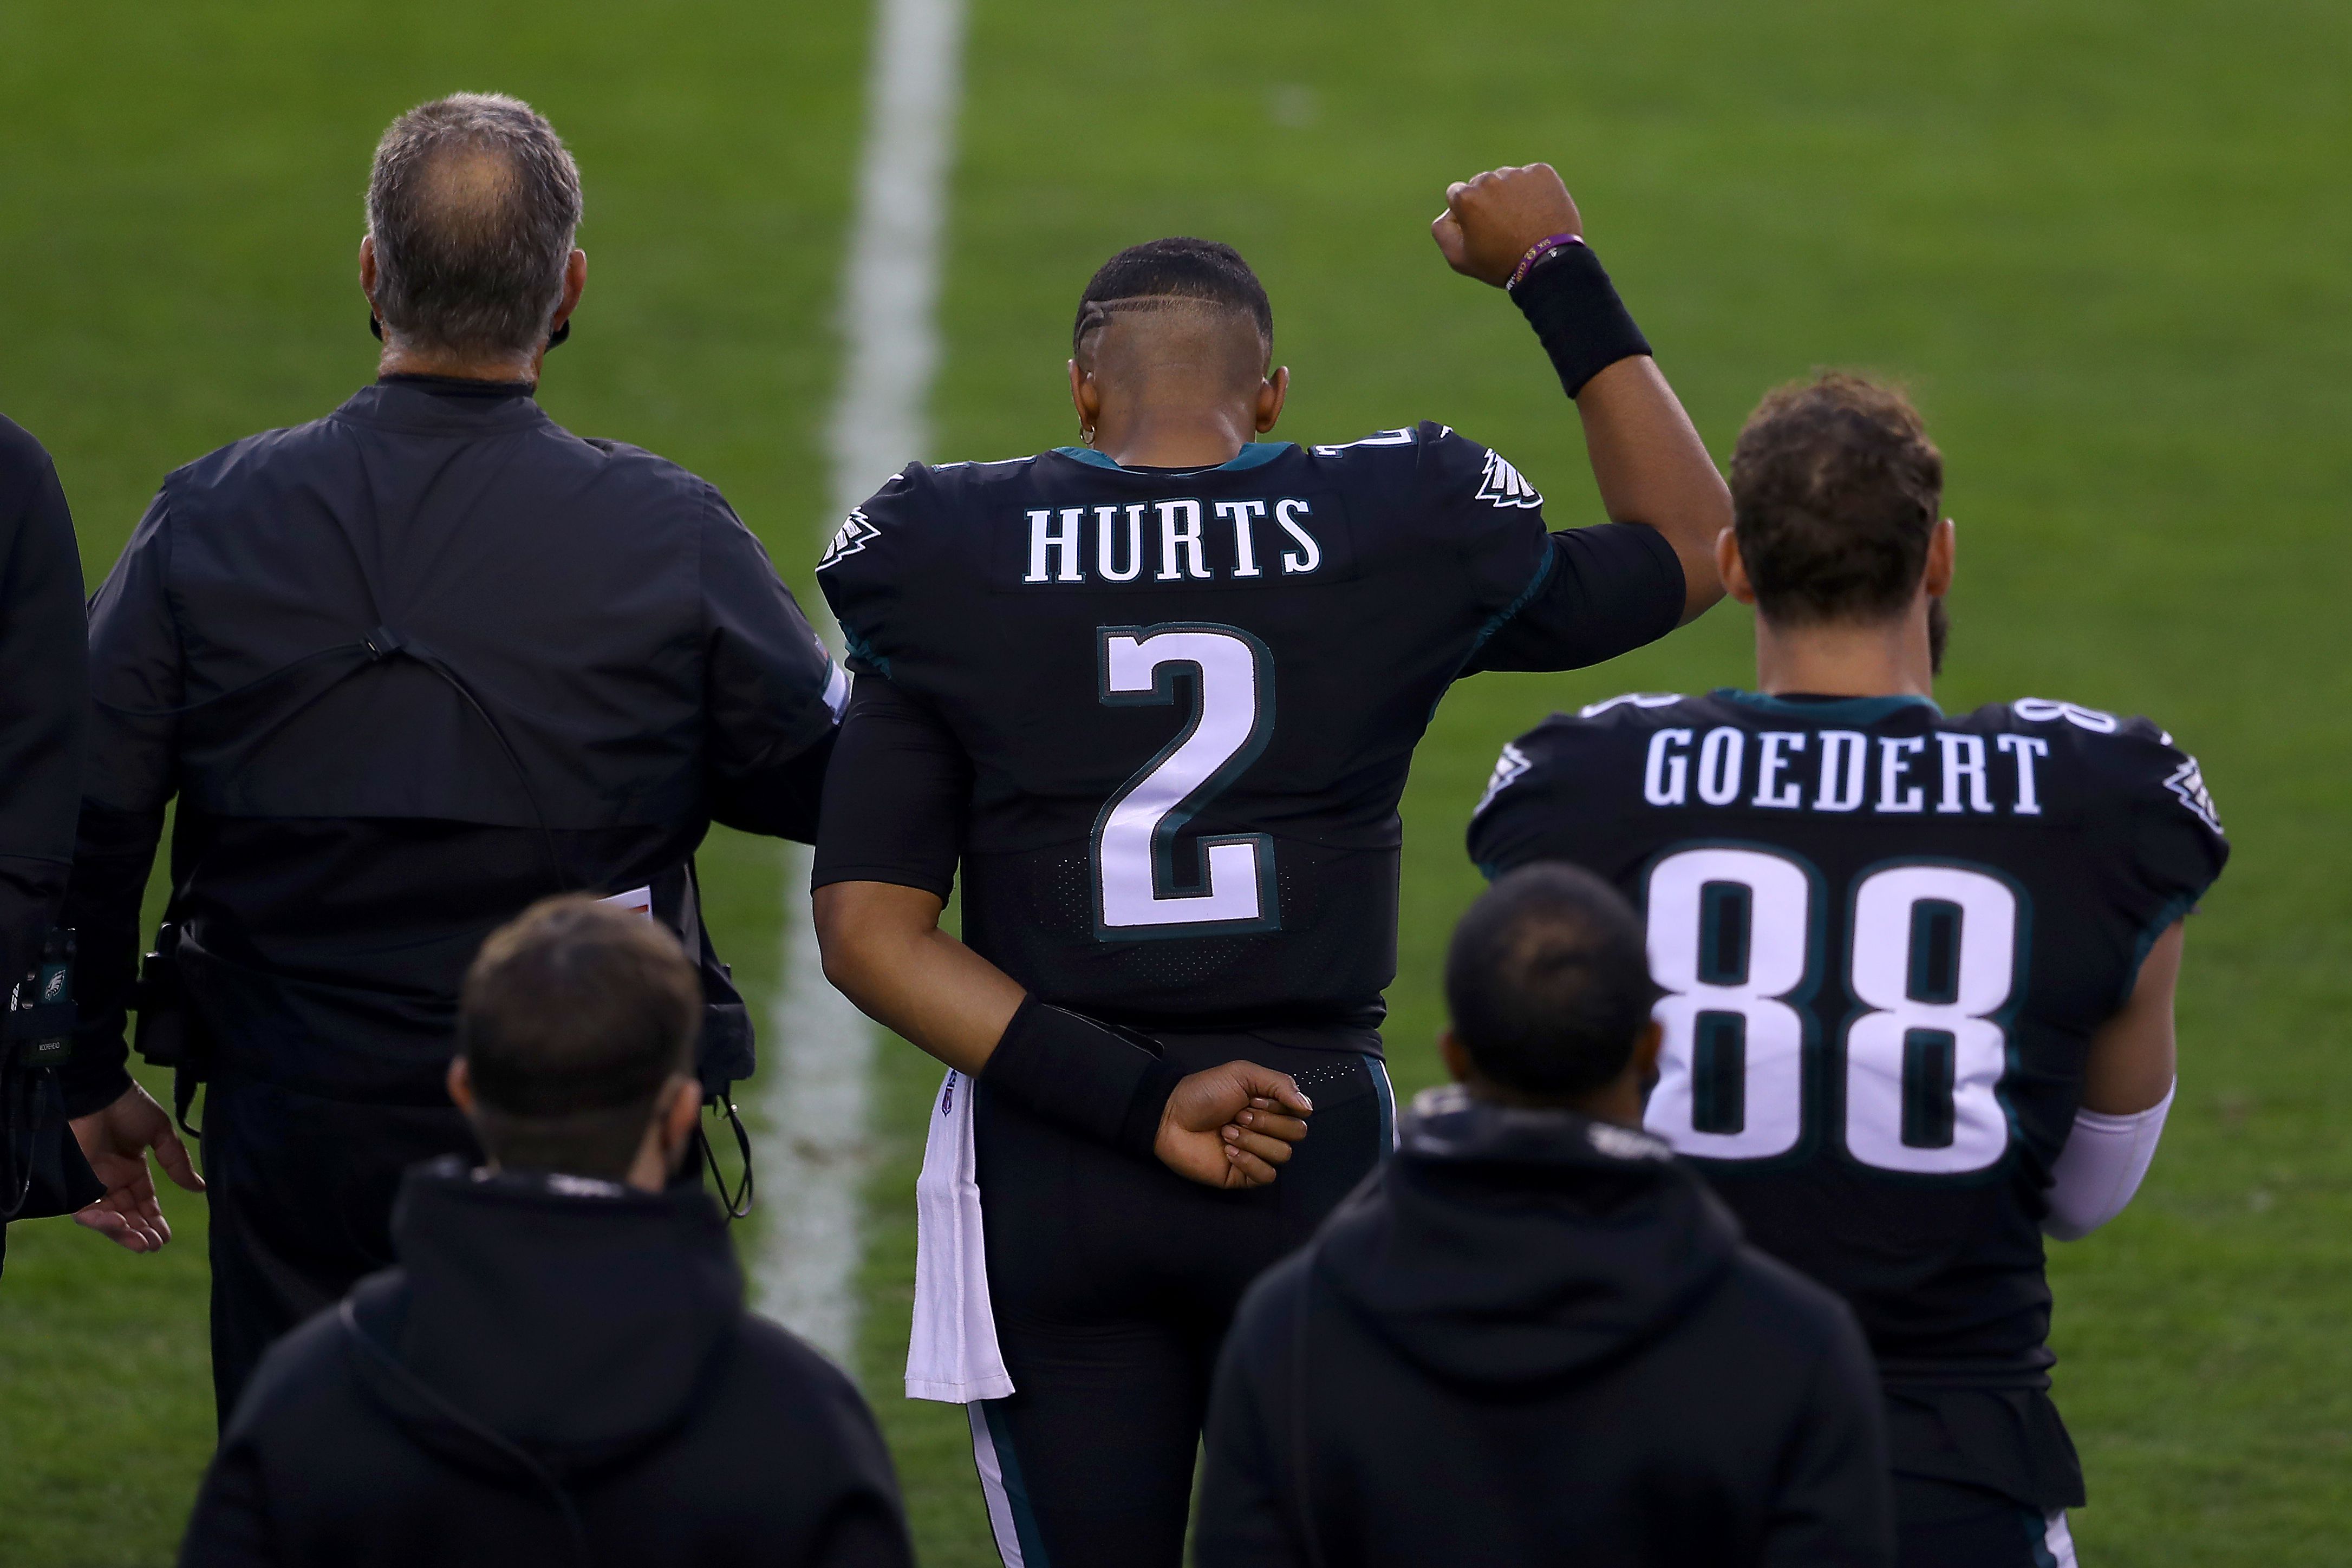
408, 668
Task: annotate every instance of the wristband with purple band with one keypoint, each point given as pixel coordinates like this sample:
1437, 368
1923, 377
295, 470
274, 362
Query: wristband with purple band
1537, 252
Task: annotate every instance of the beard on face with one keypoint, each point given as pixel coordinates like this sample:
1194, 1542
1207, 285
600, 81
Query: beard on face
1939, 632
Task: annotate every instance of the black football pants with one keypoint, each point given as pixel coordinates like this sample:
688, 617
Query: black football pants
1113, 1281
301, 1191
1942, 1524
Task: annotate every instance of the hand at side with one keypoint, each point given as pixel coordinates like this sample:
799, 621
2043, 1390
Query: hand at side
115, 1142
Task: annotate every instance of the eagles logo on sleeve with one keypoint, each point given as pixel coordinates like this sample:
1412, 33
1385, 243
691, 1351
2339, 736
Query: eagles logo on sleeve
1503, 486
848, 540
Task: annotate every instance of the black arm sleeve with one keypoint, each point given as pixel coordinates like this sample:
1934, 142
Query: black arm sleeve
897, 795
43, 696
1602, 592
770, 687
1833, 1507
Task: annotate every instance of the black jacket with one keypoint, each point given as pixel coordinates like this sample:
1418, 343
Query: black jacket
43, 676
408, 668
1531, 1338
43, 700
560, 1371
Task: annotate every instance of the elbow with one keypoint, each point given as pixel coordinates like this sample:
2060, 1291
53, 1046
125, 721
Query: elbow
840, 951
865, 934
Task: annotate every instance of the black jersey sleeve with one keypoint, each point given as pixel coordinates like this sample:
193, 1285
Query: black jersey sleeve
1530, 811
1555, 601
870, 572
2178, 842
897, 795
1604, 590
2168, 845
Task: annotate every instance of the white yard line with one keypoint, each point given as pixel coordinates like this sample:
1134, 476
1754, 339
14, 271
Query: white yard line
819, 1050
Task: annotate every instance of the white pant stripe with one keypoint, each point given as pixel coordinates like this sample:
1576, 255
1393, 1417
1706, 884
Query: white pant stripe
999, 1504
2057, 1540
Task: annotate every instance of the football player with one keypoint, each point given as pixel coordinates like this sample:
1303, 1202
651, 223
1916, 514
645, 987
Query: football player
1155, 693
1919, 969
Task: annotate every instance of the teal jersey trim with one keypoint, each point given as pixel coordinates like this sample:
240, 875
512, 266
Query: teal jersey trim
1835, 710
1255, 455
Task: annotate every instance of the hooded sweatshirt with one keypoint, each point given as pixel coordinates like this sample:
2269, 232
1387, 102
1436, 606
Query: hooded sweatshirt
1535, 1338
560, 1371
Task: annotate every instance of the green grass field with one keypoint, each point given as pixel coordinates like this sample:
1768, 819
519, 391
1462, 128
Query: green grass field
2104, 243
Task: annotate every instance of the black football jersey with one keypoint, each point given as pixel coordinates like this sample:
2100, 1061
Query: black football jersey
1886, 936
1186, 700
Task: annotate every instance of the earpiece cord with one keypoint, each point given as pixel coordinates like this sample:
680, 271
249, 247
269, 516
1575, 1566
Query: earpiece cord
737, 1203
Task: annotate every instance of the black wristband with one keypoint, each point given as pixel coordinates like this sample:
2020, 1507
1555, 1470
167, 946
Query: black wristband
1078, 1074
1570, 301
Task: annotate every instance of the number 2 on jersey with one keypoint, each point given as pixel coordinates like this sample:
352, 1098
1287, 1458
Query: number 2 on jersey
1734, 941
1136, 884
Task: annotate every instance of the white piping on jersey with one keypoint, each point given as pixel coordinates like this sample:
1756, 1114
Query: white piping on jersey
821, 1051
1404, 437
1639, 699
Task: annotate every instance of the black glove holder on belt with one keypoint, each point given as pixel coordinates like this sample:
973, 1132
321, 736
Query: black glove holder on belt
169, 1034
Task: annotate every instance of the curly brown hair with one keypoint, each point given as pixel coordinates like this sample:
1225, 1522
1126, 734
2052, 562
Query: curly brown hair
1835, 490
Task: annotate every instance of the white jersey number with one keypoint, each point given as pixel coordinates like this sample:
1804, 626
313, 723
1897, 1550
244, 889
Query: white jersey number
1135, 837
1932, 960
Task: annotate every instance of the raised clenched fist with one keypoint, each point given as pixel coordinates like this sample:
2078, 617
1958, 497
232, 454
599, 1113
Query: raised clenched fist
1490, 220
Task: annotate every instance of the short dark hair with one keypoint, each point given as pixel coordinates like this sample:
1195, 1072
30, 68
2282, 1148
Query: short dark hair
574, 1016
473, 202
1547, 982
1175, 268
1835, 490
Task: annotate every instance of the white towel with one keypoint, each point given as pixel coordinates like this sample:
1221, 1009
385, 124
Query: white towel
952, 1356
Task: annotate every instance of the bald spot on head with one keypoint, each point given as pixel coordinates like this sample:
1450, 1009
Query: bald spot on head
466, 192
1169, 347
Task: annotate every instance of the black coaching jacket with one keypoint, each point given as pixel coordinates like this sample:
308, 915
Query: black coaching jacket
1534, 1339
42, 706
408, 668
560, 1371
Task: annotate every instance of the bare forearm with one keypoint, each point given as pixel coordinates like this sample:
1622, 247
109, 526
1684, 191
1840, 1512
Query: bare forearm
2131, 1062
909, 976
1653, 469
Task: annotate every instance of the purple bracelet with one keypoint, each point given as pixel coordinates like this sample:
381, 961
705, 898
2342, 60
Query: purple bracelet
1537, 252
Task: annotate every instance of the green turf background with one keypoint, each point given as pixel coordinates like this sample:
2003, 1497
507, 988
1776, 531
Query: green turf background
2104, 243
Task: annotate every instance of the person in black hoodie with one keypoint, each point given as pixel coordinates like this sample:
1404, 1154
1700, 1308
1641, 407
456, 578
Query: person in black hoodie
561, 1370
1532, 1337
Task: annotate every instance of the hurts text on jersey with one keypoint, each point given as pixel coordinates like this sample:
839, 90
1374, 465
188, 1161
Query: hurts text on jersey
1183, 541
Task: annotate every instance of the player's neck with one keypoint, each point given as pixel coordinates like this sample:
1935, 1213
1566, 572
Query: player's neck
1847, 659
1195, 437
